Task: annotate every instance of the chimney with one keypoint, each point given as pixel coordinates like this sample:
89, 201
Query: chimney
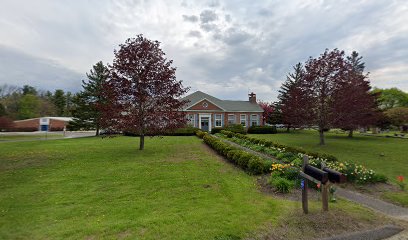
252, 97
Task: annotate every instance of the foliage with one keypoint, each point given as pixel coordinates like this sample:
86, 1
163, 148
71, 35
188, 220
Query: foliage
401, 183
28, 102
236, 128
86, 113
281, 184
247, 161
292, 99
215, 130
60, 101
200, 134
278, 150
329, 91
184, 131
398, 115
262, 129
391, 98
142, 93
291, 157
267, 111
29, 107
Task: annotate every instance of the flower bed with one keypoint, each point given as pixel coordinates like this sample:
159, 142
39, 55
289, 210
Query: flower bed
293, 156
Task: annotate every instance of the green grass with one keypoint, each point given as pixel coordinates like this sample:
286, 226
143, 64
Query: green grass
387, 156
400, 197
107, 188
7, 137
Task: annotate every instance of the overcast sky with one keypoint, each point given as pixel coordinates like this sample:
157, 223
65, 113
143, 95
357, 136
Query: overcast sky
224, 48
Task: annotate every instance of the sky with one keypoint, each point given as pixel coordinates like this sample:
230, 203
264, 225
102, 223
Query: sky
223, 48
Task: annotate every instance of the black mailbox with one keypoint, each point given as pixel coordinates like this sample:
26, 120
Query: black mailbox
334, 176
317, 174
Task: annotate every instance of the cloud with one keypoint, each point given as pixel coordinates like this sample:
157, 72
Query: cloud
18, 68
223, 47
191, 18
196, 34
208, 16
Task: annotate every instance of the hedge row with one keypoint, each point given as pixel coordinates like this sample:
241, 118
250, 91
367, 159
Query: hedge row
236, 128
243, 159
267, 143
262, 130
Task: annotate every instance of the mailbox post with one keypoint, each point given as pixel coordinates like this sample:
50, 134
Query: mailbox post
324, 176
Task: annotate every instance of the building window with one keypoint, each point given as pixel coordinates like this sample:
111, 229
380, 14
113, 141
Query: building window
191, 120
254, 120
231, 119
218, 120
243, 120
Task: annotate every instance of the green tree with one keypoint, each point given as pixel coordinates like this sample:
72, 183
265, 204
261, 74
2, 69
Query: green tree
60, 101
27, 89
2, 110
398, 116
28, 107
391, 97
85, 111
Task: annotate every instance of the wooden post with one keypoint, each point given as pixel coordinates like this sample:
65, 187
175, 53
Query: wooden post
325, 197
305, 187
325, 193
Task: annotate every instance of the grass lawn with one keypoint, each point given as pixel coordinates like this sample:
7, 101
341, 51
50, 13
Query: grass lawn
360, 149
175, 189
7, 137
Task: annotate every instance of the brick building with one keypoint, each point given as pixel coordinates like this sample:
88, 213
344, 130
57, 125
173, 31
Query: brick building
41, 124
206, 112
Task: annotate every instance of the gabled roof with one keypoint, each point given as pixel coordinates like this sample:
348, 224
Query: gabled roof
226, 105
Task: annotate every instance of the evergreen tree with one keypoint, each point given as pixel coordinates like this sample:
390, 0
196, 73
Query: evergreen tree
85, 111
292, 104
60, 101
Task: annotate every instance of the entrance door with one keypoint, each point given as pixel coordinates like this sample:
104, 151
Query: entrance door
204, 123
44, 127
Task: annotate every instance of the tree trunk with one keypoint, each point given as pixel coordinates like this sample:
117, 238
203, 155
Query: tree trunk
350, 135
288, 128
141, 147
321, 135
97, 130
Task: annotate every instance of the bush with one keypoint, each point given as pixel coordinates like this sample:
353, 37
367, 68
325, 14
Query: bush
236, 128
255, 165
281, 184
200, 134
187, 131
216, 130
244, 160
262, 130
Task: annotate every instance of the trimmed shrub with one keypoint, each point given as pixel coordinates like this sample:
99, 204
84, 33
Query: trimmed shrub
255, 165
216, 130
236, 128
200, 134
262, 130
244, 160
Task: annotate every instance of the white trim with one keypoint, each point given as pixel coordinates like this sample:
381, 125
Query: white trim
228, 118
192, 105
245, 119
192, 120
200, 115
215, 120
